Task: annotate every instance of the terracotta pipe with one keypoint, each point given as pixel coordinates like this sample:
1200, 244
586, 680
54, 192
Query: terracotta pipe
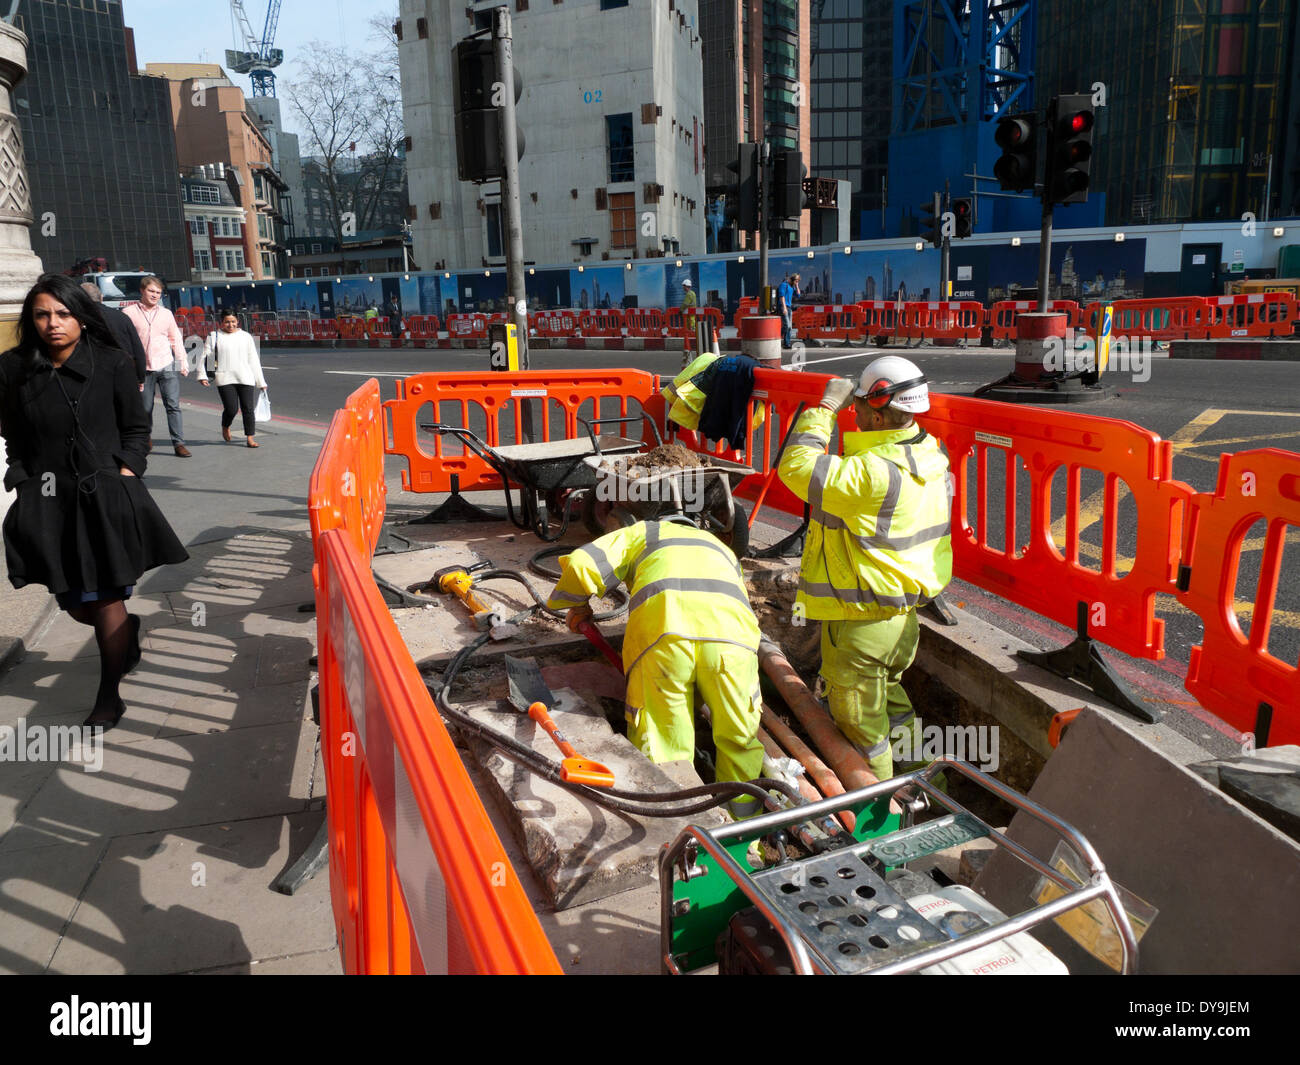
830, 743
826, 781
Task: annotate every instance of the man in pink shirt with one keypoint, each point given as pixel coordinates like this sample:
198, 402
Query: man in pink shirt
165, 352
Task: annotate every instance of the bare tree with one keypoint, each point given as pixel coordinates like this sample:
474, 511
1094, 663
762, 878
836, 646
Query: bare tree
350, 109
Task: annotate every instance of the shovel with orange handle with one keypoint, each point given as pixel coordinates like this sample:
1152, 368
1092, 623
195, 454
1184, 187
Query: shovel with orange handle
529, 693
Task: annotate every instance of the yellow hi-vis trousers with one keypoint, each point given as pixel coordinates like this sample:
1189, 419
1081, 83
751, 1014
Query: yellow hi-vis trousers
862, 665
661, 703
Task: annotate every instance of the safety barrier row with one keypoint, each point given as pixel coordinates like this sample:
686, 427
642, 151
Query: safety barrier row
419, 880
1003, 314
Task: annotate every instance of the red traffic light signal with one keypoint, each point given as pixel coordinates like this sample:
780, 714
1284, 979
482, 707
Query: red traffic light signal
1069, 160
1015, 169
964, 214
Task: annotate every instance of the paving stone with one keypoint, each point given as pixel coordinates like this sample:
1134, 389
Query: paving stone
157, 784
579, 851
191, 899
38, 894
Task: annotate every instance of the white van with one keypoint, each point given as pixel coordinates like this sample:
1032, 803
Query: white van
117, 288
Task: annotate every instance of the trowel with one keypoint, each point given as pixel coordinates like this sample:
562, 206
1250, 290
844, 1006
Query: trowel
530, 695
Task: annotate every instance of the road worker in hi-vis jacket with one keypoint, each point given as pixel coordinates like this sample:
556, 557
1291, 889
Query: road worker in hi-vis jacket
877, 548
689, 625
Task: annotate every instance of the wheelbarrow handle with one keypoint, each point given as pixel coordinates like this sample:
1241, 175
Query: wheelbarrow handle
589, 630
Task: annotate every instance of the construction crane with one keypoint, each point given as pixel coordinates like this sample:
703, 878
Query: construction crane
260, 61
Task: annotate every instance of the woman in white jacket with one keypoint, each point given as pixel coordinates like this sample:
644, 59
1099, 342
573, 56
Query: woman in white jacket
238, 374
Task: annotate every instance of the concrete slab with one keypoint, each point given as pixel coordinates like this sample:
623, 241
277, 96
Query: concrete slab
158, 784
1224, 881
579, 851
312, 963
39, 893
191, 899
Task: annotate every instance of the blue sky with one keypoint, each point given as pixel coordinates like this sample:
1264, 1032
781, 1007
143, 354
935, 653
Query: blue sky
201, 30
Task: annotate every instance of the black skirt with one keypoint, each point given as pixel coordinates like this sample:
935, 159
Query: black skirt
104, 533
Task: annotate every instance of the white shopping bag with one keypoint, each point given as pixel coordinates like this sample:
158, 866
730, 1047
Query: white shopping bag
262, 411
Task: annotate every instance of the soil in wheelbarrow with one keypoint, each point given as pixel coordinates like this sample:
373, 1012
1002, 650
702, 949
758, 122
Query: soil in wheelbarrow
665, 456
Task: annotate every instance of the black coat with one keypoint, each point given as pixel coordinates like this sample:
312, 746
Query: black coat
77, 523
127, 337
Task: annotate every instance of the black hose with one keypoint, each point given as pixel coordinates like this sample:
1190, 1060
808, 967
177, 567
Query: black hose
515, 575
611, 798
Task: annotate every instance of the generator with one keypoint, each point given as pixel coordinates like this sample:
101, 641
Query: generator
849, 904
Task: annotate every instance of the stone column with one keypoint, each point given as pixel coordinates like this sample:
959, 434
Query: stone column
19, 265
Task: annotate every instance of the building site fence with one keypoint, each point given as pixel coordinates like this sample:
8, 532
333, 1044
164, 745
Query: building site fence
419, 879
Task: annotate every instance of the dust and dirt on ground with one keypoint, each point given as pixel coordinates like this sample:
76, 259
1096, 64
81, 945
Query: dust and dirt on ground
665, 456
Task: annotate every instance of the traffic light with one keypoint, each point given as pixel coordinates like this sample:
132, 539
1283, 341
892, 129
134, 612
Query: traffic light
787, 185
964, 214
932, 222
742, 194
1069, 160
1015, 169
477, 106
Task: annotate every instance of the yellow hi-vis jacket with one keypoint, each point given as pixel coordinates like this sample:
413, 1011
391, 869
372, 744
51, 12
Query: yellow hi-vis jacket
686, 401
682, 581
878, 542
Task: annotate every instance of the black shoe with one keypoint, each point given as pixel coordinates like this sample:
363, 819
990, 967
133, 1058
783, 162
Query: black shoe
133, 655
96, 720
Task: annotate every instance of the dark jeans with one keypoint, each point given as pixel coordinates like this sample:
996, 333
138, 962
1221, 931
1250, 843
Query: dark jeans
236, 399
168, 382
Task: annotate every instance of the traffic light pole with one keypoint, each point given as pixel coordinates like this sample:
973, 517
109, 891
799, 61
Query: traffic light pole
945, 248
1045, 256
764, 173
516, 293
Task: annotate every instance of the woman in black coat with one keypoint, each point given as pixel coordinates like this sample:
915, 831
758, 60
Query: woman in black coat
76, 438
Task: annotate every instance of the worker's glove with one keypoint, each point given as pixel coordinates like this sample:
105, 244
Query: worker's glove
838, 394
578, 615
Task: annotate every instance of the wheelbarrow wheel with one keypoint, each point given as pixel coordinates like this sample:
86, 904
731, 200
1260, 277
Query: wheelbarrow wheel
594, 513
737, 537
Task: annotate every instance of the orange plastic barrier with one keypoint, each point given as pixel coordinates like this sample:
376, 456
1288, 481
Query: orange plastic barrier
604, 322
835, 322
710, 314
295, 329
488, 404
351, 328
943, 321
324, 329
1002, 315
748, 306
1232, 673
467, 326
1257, 314
1171, 318
270, 330
644, 321
422, 326
419, 880
558, 324
1051, 580
880, 318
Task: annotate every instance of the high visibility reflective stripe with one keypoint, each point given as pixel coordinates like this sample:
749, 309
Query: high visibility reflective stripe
682, 541
688, 584
821, 470
880, 539
901, 719
566, 597
603, 566
911, 461
808, 440
878, 749
886, 513
857, 595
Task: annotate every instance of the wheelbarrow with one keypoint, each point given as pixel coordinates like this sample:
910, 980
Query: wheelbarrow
702, 493
548, 472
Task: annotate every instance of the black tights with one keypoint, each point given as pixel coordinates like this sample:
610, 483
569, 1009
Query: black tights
113, 634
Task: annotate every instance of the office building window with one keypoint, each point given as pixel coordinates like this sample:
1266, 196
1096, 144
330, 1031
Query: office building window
619, 130
609, 5
306, 271
622, 220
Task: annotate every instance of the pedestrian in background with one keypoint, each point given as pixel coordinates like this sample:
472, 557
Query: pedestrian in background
238, 374
164, 349
394, 311
785, 296
123, 330
83, 524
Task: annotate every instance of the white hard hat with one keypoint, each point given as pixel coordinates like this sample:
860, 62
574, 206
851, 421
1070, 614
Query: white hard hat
686, 283
892, 381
